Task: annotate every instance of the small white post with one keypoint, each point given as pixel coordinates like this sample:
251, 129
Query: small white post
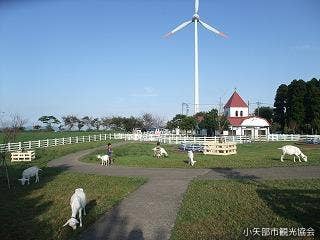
29, 145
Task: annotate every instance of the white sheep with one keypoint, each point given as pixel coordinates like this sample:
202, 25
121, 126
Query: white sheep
28, 173
105, 160
292, 150
190, 158
78, 203
159, 152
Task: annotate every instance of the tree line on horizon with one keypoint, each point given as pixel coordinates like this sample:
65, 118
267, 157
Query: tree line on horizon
117, 123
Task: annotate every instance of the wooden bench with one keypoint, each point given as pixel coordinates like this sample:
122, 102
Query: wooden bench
20, 156
216, 148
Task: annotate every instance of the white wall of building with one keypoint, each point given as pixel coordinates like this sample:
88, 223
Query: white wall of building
232, 112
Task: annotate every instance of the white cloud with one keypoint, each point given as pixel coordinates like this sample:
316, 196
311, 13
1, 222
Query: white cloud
145, 92
305, 47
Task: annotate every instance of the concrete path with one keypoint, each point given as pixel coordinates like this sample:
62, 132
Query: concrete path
150, 211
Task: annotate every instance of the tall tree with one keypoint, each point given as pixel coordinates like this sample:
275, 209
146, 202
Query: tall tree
116, 123
175, 122
87, 122
80, 124
49, 121
70, 121
148, 121
264, 112
188, 123
280, 106
96, 123
295, 107
312, 103
106, 122
131, 123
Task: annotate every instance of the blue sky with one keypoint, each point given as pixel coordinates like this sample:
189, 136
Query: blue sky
104, 58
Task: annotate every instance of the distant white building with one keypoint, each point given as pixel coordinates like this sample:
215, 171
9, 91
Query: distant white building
237, 112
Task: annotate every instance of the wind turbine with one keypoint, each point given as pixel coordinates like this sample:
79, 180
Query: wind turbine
196, 19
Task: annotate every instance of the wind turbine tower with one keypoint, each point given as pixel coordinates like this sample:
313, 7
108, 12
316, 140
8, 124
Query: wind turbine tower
196, 19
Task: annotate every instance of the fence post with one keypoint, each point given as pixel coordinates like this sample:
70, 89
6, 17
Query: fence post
20, 146
89, 139
77, 139
29, 144
47, 142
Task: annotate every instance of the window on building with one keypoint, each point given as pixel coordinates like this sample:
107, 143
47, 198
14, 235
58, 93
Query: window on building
241, 113
236, 113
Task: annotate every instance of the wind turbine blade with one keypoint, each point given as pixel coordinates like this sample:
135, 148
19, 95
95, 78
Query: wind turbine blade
212, 29
183, 25
196, 6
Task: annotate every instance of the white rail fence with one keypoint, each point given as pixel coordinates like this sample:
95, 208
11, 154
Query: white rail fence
167, 138
10, 147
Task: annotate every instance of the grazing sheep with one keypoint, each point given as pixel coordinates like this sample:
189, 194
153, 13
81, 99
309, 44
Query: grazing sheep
292, 150
78, 203
190, 158
105, 160
159, 152
30, 172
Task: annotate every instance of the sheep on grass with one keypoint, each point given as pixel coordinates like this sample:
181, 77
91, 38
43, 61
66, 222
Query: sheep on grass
78, 203
292, 150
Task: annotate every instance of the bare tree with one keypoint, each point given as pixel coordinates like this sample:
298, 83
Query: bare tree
158, 121
152, 121
10, 129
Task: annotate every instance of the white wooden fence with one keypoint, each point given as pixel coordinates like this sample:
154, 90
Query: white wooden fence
10, 147
165, 138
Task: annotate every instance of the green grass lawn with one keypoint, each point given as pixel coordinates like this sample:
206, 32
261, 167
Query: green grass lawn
38, 135
225, 209
38, 211
249, 156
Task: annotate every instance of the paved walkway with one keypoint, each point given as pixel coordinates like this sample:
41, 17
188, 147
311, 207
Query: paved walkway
150, 211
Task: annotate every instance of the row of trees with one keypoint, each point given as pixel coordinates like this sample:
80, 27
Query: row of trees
297, 107
210, 121
71, 122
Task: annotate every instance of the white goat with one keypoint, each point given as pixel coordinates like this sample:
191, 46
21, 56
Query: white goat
159, 152
190, 158
30, 172
292, 150
105, 160
78, 202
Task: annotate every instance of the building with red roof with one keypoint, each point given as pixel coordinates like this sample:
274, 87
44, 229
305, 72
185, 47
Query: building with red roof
237, 112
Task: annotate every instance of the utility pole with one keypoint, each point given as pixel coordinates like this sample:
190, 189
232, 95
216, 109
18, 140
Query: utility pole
220, 106
187, 108
258, 105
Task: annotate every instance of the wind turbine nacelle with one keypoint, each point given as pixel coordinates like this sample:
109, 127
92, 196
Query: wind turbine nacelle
195, 17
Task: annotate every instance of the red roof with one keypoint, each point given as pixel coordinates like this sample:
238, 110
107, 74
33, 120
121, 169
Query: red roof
236, 121
235, 101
